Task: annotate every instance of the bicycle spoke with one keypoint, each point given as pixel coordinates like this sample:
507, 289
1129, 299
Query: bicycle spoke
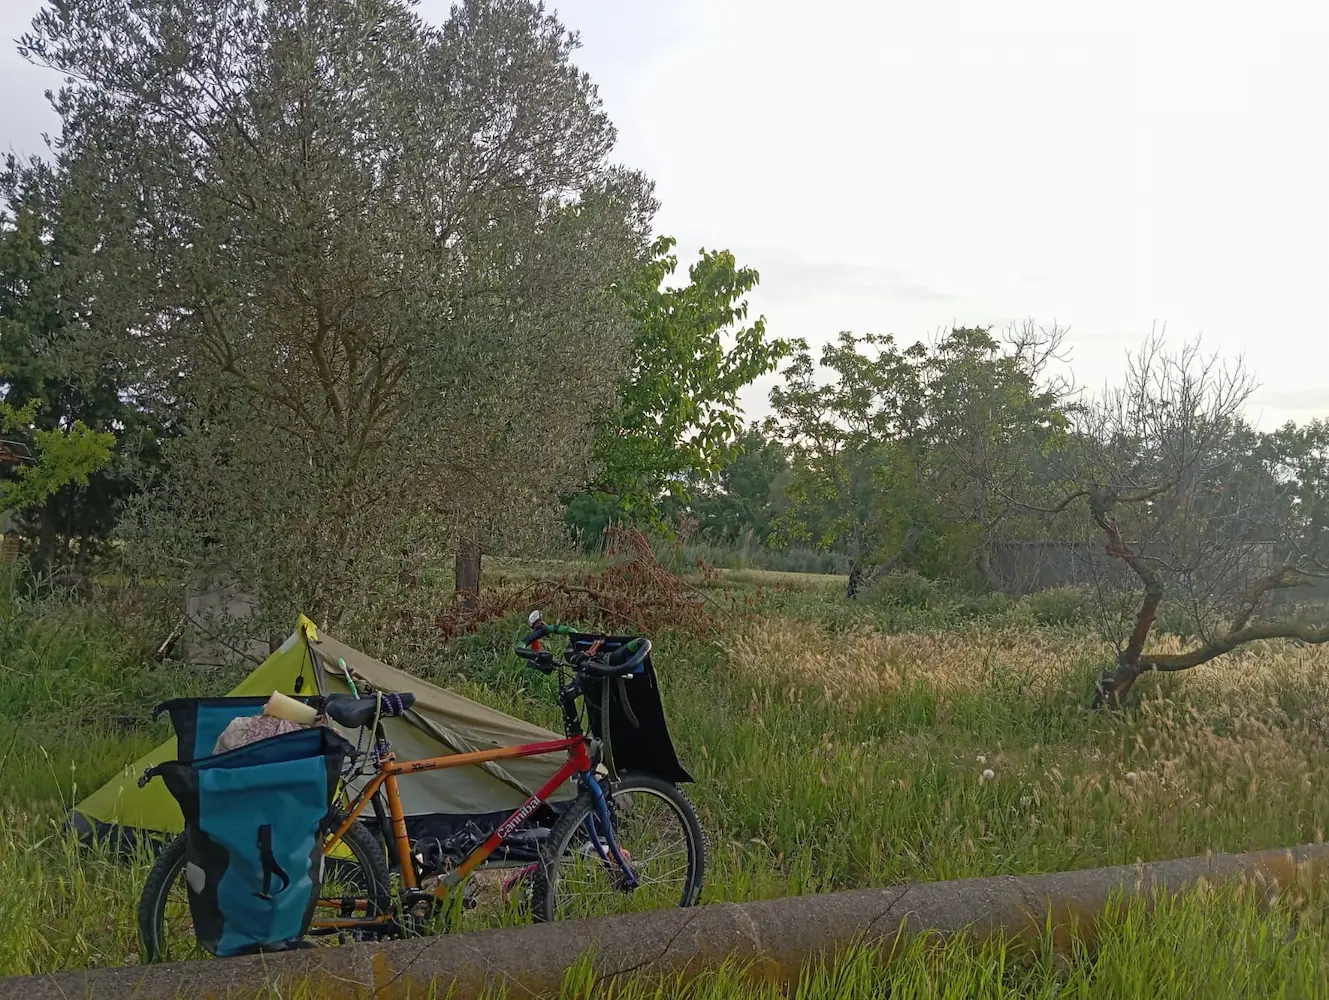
650, 833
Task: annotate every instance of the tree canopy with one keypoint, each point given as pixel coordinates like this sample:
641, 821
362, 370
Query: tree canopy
45, 360
692, 350
913, 457
374, 260
313, 289
58, 457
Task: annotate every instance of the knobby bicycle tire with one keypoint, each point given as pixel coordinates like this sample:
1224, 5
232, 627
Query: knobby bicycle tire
168, 869
546, 887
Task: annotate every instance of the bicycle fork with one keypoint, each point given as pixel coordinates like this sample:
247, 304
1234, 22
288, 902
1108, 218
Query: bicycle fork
613, 856
601, 813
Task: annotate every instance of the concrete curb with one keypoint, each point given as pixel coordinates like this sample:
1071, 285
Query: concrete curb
777, 937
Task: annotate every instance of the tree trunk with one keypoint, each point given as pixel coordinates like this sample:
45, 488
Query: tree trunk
1113, 687
468, 574
855, 581
983, 562
860, 577
46, 542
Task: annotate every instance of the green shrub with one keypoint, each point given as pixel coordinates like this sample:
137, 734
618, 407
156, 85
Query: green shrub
905, 589
994, 606
1174, 619
76, 698
1058, 606
682, 558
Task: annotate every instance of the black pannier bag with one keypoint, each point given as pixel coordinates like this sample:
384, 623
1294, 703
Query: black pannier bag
626, 714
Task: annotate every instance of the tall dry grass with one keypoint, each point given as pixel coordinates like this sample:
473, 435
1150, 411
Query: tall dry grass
860, 758
864, 665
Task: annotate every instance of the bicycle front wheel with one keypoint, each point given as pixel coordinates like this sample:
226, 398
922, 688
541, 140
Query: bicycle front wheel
657, 830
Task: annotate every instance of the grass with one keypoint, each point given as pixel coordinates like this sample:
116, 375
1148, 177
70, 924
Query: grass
835, 746
681, 556
1211, 944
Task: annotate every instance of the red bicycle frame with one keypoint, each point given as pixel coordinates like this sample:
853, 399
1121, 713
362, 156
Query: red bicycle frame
389, 770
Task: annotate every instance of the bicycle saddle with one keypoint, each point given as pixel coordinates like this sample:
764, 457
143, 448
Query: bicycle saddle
356, 712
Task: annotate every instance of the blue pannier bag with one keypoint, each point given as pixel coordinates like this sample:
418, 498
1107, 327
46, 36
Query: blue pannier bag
255, 820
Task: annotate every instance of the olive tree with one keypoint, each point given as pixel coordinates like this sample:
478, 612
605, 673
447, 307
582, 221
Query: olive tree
370, 262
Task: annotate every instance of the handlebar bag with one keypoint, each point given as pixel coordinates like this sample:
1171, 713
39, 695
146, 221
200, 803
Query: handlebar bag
255, 821
626, 714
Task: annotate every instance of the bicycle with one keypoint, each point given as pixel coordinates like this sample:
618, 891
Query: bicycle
586, 843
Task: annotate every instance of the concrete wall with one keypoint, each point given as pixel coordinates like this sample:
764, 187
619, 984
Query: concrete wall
1026, 567
217, 631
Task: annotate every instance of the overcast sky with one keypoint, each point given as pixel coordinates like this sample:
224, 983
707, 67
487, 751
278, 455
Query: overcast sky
899, 167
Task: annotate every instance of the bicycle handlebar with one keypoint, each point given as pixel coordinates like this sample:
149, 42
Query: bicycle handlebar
539, 633
627, 658
623, 660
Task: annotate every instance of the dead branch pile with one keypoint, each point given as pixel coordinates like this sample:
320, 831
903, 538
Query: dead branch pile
633, 593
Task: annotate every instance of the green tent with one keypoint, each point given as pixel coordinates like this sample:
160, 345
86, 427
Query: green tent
437, 803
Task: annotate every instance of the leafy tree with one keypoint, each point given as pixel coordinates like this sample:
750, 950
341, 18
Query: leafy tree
693, 350
372, 259
747, 492
1298, 458
58, 456
837, 433
734, 504
589, 513
737, 502
912, 458
992, 415
78, 399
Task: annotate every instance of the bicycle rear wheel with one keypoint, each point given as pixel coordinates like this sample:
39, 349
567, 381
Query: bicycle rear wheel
656, 828
359, 875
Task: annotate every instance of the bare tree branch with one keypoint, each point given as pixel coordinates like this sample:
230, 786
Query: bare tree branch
1300, 631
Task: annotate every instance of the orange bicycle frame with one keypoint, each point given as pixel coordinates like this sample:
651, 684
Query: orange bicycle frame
389, 770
